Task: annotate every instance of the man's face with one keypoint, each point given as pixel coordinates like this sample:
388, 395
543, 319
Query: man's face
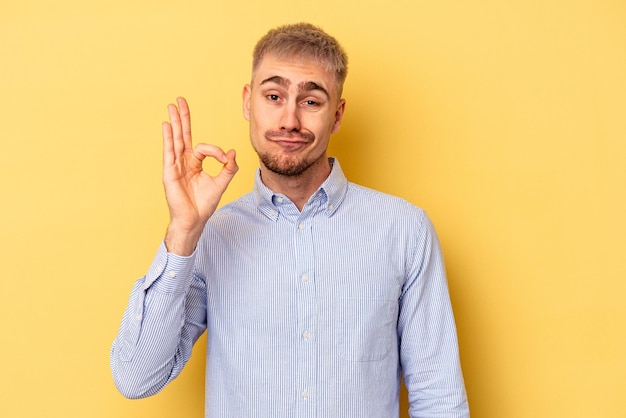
293, 107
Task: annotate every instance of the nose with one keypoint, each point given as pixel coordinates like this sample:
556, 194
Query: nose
290, 120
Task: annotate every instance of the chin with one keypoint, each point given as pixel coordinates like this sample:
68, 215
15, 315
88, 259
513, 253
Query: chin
289, 167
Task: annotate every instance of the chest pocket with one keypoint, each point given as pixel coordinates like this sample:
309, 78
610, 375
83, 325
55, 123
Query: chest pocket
367, 317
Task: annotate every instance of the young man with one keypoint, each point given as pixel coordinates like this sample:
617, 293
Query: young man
317, 294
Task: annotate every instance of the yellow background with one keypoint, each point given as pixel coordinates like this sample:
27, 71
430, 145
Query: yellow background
506, 120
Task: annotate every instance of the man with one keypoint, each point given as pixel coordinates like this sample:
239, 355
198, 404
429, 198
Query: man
317, 295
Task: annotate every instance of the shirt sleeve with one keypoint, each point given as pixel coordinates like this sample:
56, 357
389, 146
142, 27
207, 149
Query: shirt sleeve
429, 352
165, 316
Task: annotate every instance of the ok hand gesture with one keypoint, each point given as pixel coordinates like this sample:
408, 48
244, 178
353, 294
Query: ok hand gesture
192, 194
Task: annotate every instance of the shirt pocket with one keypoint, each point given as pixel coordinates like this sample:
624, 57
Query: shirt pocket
367, 317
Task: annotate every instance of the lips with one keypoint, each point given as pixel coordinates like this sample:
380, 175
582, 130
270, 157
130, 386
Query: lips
290, 146
290, 137
290, 141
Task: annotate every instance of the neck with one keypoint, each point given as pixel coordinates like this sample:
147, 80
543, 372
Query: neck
299, 188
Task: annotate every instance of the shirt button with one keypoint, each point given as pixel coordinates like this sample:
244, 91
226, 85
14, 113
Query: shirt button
280, 200
301, 227
305, 394
159, 269
306, 335
172, 274
305, 278
138, 317
330, 207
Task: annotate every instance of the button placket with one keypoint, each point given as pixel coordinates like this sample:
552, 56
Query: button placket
306, 297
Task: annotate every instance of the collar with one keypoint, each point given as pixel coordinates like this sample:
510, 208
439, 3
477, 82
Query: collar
330, 194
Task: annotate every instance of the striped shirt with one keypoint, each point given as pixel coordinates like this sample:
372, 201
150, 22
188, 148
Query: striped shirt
312, 313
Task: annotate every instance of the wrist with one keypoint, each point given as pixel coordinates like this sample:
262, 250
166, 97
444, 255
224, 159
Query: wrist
181, 241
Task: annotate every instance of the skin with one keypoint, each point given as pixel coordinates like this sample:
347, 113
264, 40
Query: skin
293, 107
192, 195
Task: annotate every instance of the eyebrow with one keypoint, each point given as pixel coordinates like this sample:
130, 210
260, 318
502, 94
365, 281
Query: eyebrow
312, 86
281, 81
305, 86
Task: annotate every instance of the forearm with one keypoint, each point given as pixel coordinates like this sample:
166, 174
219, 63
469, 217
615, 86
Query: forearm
434, 378
430, 358
163, 319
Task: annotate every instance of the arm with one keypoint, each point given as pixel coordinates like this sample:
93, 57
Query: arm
165, 316
166, 313
428, 342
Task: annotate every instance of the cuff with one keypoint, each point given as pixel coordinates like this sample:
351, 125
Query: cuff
170, 273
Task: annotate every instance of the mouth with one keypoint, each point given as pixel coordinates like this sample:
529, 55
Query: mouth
290, 146
290, 141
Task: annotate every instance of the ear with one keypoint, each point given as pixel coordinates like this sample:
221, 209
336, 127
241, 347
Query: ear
339, 115
247, 92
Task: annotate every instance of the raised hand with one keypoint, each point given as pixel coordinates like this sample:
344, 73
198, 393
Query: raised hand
192, 194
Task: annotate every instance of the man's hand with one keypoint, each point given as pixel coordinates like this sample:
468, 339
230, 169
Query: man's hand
192, 195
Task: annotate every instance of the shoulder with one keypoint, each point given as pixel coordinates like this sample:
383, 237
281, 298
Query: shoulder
375, 201
244, 202
243, 207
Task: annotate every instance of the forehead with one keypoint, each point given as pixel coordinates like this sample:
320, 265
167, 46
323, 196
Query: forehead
295, 70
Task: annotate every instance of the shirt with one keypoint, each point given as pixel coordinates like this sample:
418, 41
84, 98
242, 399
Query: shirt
312, 313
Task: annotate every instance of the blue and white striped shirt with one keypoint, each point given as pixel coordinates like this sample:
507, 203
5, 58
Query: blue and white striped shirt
308, 314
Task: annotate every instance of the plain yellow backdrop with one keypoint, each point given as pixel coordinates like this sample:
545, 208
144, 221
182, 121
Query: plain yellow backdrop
506, 121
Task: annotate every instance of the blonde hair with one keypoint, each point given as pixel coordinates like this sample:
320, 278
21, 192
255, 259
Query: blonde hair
303, 41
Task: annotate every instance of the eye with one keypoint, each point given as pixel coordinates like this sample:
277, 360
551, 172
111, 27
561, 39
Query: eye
311, 103
273, 97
